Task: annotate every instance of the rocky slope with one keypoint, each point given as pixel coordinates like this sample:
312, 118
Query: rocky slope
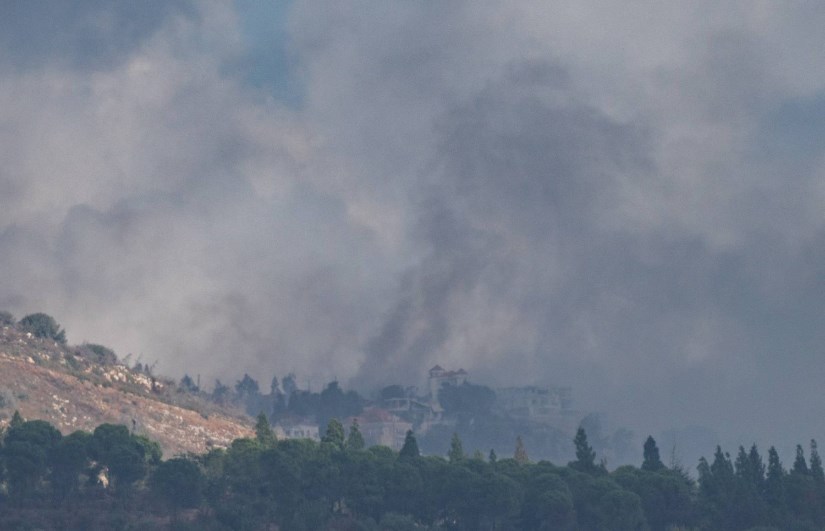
72, 390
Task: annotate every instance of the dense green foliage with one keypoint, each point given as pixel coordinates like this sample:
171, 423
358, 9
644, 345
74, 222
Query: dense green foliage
98, 353
42, 325
114, 479
466, 399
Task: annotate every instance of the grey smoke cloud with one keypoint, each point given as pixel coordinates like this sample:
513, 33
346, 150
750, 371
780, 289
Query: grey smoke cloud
621, 198
84, 34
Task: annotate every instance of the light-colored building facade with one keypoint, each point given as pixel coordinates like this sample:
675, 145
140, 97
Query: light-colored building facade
542, 404
438, 377
299, 430
380, 427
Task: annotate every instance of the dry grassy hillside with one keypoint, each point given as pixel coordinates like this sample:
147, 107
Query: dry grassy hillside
67, 387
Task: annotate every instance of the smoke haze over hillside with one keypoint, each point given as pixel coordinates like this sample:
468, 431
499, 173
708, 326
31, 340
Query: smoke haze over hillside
622, 198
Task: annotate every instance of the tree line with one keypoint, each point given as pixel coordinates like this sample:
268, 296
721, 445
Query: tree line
112, 478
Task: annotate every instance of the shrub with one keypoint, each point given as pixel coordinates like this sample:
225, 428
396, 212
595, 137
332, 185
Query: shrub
6, 318
42, 325
98, 353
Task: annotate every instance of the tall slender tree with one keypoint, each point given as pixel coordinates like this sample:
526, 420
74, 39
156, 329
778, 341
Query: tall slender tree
775, 487
456, 452
799, 465
410, 448
652, 462
334, 434
816, 464
263, 431
355, 441
585, 455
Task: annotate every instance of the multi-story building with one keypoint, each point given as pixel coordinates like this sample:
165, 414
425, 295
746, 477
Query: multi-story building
542, 404
379, 426
438, 377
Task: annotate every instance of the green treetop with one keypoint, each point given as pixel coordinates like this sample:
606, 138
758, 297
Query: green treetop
456, 452
799, 465
334, 434
42, 325
16, 420
410, 448
652, 462
816, 464
355, 441
585, 455
263, 431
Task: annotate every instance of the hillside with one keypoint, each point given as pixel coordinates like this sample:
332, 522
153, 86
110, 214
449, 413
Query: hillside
71, 389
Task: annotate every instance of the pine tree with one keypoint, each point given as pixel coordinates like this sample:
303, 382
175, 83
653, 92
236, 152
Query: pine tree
747, 496
722, 469
410, 448
16, 420
492, 457
757, 468
705, 478
799, 464
775, 487
585, 455
355, 441
652, 462
334, 434
456, 452
263, 431
742, 464
816, 464
520, 455
188, 384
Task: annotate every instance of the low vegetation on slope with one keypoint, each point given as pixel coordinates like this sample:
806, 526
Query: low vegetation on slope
77, 387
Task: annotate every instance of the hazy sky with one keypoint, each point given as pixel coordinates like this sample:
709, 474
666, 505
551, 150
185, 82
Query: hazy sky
624, 197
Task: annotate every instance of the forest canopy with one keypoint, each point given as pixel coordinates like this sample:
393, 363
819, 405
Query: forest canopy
114, 478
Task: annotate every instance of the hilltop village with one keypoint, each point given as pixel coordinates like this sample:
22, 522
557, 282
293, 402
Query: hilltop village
41, 372
447, 402
450, 403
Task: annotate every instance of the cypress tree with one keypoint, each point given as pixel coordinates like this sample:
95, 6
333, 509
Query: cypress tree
757, 468
799, 465
585, 455
456, 452
263, 431
816, 464
334, 434
410, 448
775, 487
16, 420
652, 462
355, 441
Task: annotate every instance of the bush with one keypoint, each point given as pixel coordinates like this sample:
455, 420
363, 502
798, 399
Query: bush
42, 325
6, 319
98, 353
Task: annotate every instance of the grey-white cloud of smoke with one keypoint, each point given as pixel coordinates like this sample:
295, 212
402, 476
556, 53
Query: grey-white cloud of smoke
625, 199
